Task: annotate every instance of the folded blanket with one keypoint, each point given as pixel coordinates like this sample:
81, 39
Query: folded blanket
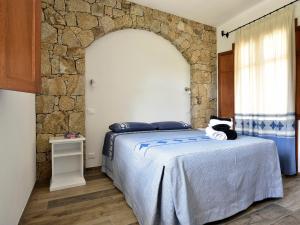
217, 135
221, 127
214, 122
231, 134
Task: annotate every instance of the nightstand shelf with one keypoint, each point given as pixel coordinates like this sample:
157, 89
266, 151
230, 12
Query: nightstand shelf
66, 152
67, 163
67, 180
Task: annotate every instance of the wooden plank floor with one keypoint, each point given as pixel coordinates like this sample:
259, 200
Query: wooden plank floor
100, 203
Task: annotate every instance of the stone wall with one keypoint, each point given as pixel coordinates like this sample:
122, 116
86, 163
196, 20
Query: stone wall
69, 26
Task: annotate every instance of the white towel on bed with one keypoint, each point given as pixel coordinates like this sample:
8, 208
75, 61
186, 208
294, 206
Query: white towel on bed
217, 135
214, 122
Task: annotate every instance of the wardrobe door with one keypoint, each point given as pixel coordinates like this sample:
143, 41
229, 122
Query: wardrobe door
20, 45
226, 84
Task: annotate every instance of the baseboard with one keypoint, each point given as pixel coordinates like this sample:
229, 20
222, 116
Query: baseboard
97, 168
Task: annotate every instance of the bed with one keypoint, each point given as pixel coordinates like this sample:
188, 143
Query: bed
183, 177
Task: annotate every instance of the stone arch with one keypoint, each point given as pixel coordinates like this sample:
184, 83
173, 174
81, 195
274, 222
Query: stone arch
69, 26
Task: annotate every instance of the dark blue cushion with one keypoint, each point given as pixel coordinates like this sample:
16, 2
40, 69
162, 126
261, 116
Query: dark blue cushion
171, 125
131, 126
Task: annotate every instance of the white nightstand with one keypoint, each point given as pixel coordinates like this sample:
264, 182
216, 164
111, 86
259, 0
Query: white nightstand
67, 163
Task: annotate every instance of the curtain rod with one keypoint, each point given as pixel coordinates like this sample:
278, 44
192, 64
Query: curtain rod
226, 34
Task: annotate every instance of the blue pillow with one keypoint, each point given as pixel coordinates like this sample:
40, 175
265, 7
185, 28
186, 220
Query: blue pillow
130, 127
171, 125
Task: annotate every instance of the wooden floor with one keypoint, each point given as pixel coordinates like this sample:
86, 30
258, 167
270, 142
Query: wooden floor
100, 203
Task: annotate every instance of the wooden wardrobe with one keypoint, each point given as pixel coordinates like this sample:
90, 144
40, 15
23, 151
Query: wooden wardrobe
20, 45
226, 83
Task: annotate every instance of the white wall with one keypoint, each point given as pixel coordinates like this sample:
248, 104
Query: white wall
266, 6
139, 76
225, 44
17, 153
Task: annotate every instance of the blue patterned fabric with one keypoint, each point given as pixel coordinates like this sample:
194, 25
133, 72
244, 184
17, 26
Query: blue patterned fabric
171, 125
131, 126
109, 140
279, 128
144, 146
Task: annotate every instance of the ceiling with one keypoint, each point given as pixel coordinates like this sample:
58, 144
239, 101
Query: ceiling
213, 12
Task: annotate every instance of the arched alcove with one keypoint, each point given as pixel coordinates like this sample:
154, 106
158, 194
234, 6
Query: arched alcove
70, 27
137, 76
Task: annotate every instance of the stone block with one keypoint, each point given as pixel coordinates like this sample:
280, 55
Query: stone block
155, 26
182, 43
137, 10
140, 21
86, 21
118, 4
46, 46
75, 52
55, 65
80, 66
205, 56
75, 84
202, 77
110, 3
78, 6
97, 9
48, 33
118, 13
107, 24
40, 118
41, 157
71, 19
42, 142
181, 26
44, 104
67, 66
195, 56
108, 11
66, 103
43, 170
98, 32
49, 2
86, 37
45, 63
55, 86
52, 17
79, 104
56, 123
69, 38
75, 30
77, 122
59, 5
60, 50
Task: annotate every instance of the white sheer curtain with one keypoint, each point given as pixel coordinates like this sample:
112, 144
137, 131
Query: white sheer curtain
265, 82
264, 65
